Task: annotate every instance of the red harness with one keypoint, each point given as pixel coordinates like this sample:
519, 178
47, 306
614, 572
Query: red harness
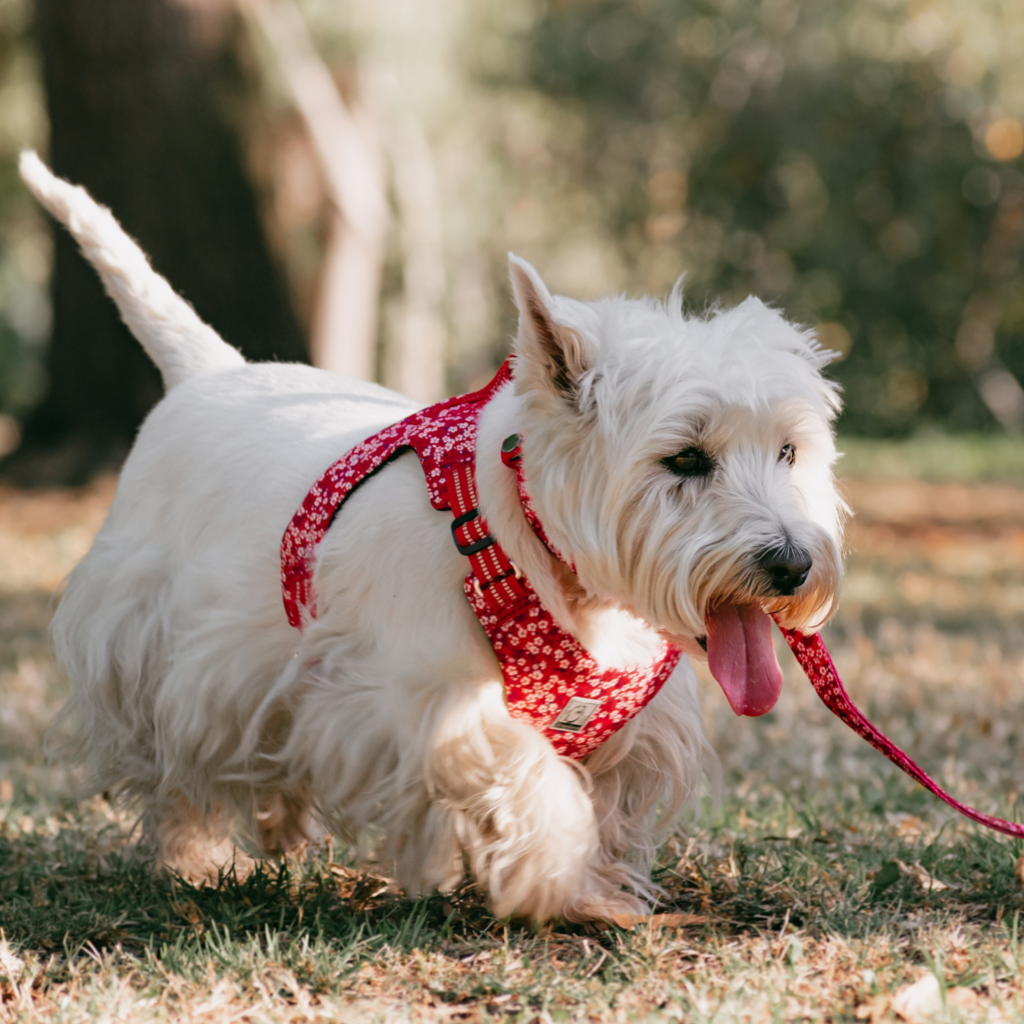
551, 681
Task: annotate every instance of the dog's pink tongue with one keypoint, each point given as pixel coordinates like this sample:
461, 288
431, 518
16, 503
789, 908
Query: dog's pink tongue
742, 659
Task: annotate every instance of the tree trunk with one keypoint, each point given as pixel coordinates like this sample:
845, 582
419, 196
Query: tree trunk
344, 336
139, 94
415, 357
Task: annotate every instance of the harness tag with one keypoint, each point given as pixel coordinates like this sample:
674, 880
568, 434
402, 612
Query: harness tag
575, 715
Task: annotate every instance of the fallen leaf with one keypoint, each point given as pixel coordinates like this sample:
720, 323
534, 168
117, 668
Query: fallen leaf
918, 1001
925, 879
11, 965
906, 825
188, 910
963, 999
39, 896
876, 1009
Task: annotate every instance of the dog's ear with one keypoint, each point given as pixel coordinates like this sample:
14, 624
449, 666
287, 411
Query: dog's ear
550, 355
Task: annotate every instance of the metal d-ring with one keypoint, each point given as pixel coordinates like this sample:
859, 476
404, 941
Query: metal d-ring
515, 571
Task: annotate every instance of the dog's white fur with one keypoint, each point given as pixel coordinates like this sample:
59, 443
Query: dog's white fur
193, 693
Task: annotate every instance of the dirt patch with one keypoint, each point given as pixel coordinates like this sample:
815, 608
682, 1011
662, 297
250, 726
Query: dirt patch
44, 534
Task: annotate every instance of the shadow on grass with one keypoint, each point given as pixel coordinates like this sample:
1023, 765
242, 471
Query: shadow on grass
832, 880
75, 890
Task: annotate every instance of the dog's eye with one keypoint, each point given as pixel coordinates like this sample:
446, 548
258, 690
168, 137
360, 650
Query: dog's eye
690, 462
788, 454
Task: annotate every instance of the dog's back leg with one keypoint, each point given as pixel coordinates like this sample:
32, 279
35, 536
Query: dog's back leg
282, 822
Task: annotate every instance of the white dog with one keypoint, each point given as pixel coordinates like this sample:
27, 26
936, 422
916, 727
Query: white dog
680, 466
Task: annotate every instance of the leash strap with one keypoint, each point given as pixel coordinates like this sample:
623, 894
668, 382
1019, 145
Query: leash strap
814, 659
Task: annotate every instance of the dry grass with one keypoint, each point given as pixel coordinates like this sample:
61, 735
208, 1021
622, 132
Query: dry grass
827, 887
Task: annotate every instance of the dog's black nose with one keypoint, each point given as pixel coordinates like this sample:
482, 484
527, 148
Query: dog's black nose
785, 568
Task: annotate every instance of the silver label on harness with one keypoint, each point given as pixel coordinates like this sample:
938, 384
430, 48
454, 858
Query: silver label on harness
575, 715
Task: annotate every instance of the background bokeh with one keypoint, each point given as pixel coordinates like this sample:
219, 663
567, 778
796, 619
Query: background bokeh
856, 162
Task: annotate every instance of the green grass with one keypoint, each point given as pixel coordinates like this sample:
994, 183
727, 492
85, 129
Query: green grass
964, 458
824, 885
808, 908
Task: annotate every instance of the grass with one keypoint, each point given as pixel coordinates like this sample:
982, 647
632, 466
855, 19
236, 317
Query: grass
826, 887
816, 922
960, 458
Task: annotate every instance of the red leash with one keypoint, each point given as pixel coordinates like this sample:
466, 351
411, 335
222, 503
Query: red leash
816, 662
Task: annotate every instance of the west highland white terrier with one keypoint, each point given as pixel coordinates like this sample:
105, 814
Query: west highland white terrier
665, 484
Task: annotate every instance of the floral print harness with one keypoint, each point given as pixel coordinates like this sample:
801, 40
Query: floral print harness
551, 682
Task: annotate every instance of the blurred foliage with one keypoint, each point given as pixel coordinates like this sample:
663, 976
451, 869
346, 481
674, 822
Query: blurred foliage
857, 163
965, 458
24, 243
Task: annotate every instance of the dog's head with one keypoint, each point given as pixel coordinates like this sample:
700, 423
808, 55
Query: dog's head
685, 466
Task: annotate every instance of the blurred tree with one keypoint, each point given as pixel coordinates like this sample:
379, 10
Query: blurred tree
24, 241
857, 163
344, 328
144, 98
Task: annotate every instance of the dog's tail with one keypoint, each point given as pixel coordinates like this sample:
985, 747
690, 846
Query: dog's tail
170, 330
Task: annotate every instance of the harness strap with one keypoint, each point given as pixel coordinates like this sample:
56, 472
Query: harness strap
512, 456
496, 579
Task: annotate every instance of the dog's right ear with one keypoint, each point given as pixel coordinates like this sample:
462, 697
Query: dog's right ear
549, 356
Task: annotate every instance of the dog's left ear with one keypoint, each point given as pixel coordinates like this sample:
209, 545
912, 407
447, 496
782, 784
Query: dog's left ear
550, 356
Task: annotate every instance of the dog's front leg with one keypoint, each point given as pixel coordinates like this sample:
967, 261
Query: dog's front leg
192, 841
522, 815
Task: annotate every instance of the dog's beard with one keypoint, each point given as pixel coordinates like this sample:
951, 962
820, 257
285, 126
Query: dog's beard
737, 606
709, 596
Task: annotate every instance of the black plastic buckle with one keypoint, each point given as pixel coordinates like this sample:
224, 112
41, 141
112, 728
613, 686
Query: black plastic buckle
477, 545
